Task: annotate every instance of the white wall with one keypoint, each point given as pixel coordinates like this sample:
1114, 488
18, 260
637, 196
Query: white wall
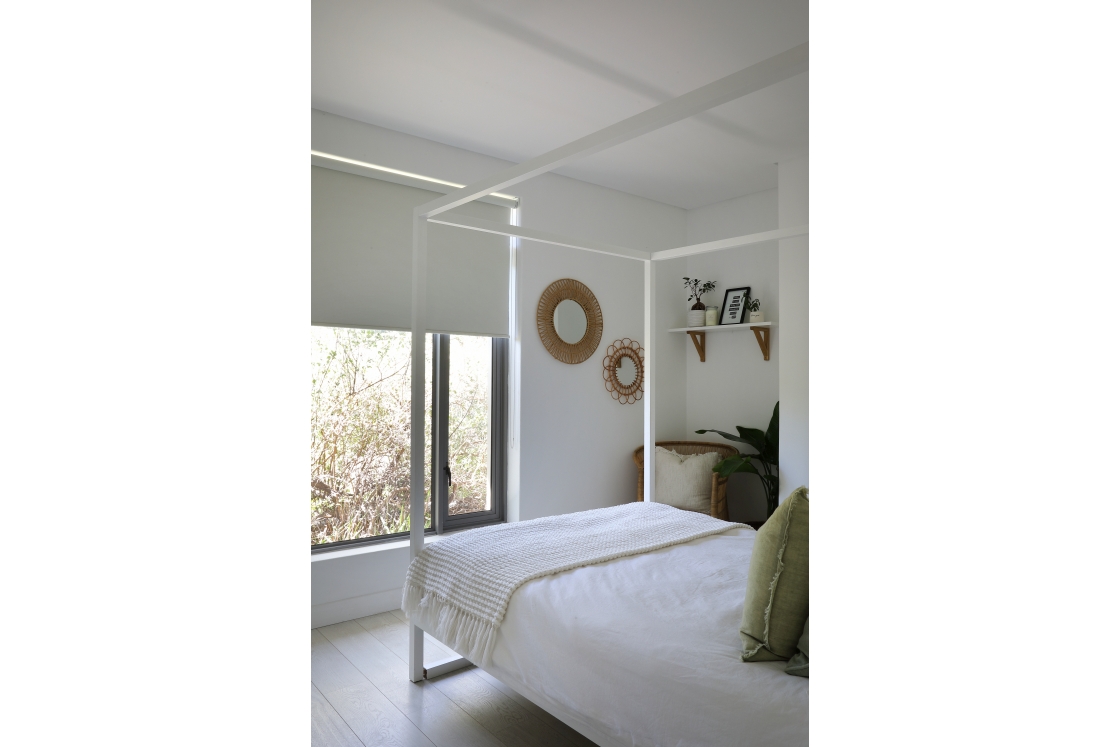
353, 583
671, 416
735, 386
577, 442
793, 272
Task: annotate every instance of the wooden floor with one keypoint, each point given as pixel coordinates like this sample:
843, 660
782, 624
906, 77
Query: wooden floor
360, 695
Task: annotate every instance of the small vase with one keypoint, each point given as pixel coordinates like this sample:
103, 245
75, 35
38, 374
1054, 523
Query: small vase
756, 316
711, 316
696, 318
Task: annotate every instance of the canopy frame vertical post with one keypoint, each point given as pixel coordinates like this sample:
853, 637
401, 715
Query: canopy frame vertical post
650, 333
416, 463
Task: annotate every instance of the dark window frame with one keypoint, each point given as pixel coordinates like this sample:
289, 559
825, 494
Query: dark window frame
499, 372
499, 424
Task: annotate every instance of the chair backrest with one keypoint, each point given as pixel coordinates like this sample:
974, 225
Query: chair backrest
687, 447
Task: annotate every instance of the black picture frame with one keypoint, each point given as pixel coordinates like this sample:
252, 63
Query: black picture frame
734, 309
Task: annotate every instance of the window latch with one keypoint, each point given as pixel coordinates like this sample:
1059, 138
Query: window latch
447, 471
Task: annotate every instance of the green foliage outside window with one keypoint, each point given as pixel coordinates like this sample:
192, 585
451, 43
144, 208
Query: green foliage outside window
361, 385
360, 424
468, 424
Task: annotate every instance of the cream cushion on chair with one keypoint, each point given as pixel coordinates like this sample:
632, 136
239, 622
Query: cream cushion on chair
685, 481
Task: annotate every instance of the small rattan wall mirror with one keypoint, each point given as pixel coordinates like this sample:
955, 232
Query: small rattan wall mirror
623, 370
569, 321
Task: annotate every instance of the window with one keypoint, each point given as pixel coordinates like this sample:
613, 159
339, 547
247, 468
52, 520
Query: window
360, 433
469, 452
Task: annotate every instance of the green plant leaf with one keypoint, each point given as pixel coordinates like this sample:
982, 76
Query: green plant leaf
731, 463
726, 435
754, 437
770, 455
750, 468
734, 464
772, 431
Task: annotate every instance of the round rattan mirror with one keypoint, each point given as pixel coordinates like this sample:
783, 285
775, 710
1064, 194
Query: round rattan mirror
569, 321
623, 371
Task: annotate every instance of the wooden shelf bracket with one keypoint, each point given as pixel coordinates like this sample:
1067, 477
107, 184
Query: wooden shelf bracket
699, 339
699, 336
762, 334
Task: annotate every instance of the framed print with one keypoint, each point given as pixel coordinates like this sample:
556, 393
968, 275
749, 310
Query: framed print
734, 310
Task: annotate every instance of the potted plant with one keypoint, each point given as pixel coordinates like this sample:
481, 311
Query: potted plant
764, 463
753, 306
697, 288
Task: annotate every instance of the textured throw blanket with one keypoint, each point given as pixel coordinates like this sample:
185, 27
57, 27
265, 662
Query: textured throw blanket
458, 589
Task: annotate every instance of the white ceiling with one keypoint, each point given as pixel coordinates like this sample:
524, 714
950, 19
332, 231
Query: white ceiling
516, 78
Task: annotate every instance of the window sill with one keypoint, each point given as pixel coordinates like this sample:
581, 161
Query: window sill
345, 552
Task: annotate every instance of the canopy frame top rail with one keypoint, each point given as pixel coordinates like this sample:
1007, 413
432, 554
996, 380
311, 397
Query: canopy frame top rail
748, 80
545, 237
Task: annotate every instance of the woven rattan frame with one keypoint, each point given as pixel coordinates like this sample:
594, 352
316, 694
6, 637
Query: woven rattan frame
719, 484
573, 290
626, 394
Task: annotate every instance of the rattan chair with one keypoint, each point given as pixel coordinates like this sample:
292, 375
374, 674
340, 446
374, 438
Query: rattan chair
719, 484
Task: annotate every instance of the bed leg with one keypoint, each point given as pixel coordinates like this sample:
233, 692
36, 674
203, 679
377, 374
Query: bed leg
443, 666
415, 653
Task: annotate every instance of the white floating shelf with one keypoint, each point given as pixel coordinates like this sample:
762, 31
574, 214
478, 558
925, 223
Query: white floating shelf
724, 327
699, 335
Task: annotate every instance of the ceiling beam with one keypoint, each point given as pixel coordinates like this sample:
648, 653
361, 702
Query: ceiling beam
731, 243
504, 229
751, 79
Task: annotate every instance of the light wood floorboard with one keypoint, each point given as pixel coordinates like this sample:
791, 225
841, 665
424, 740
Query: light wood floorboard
512, 723
393, 632
361, 695
436, 715
366, 710
486, 705
509, 692
328, 728
573, 736
369, 655
445, 723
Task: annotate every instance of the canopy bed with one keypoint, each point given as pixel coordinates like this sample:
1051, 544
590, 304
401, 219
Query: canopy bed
621, 658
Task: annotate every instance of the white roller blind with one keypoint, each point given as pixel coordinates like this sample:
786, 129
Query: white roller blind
361, 260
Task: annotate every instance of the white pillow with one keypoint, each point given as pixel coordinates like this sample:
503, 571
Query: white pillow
685, 480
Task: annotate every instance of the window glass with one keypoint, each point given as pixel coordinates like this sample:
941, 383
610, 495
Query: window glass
361, 387
468, 424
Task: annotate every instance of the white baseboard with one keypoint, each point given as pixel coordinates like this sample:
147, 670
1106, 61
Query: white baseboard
330, 613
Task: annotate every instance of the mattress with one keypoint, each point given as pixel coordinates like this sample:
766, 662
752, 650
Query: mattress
644, 650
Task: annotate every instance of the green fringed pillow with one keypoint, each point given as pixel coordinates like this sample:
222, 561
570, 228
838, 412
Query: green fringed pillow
777, 603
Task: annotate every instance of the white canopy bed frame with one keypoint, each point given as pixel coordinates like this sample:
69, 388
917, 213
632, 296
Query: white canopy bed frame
746, 81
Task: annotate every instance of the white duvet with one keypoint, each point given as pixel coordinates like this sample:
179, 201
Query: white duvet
458, 589
645, 650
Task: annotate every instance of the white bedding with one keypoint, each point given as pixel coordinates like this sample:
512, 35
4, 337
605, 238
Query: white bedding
458, 589
645, 650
